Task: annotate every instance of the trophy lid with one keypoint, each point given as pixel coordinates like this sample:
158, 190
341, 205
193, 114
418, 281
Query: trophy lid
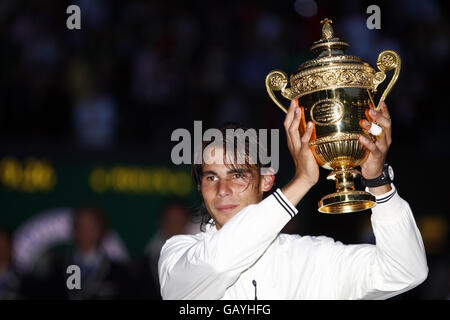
328, 44
331, 68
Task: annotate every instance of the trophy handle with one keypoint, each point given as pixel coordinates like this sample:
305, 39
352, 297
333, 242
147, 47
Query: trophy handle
387, 60
277, 80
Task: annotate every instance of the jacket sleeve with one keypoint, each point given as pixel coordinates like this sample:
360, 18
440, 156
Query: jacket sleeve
395, 264
203, 267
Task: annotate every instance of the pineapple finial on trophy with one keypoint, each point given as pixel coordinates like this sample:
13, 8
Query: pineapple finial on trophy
327, 29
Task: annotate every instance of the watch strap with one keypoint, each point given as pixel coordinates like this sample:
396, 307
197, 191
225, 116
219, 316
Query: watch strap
381, 180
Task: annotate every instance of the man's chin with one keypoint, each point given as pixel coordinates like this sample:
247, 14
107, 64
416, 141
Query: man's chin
224, 217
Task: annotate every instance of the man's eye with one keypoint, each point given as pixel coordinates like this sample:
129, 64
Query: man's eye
211, 178
241, 176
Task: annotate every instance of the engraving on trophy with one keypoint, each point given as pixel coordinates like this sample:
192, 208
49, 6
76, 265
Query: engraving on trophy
327, 111
330, 77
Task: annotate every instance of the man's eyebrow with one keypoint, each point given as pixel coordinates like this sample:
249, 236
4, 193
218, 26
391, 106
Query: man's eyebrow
231, 171
204, 173
238, 170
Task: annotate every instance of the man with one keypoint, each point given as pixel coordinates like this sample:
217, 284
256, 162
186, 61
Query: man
101, 278
174, 219
242, 254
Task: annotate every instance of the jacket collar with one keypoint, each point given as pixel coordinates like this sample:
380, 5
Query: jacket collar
210, 226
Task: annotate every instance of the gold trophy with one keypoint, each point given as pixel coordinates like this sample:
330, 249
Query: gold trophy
335, 91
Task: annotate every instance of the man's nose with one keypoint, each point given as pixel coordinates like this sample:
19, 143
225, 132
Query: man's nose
224, 188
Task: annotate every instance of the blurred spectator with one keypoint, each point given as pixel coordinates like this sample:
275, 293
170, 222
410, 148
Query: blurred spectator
174, 219
150, 79
101, 278
47, 244
95, 120
9, 279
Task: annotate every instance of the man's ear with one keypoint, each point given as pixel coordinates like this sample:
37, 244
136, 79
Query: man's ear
267, 180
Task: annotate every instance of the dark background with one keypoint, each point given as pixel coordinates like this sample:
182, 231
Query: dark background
107, 97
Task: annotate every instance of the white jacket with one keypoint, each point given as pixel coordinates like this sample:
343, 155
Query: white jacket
249, 250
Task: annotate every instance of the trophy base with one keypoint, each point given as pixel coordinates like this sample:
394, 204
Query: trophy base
346, 201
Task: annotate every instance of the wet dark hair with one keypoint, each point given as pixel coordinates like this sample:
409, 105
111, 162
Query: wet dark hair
250, 164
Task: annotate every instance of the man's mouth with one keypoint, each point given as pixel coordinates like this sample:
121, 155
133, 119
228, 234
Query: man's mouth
227, 207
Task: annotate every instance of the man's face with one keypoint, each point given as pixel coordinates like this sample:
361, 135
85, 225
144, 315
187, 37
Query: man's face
227, 190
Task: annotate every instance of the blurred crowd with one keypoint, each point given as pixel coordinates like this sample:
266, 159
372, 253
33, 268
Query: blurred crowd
101, 275
137, 70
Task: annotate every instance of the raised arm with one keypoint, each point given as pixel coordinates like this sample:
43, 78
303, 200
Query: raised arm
396, 263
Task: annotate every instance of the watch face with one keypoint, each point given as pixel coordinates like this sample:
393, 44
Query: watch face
391, 173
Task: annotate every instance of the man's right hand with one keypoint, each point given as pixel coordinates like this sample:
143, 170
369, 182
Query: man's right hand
306, 167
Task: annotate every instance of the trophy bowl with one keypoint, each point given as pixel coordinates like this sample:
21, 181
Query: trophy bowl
335, 91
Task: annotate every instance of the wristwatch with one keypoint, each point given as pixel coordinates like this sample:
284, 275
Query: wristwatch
386, 177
